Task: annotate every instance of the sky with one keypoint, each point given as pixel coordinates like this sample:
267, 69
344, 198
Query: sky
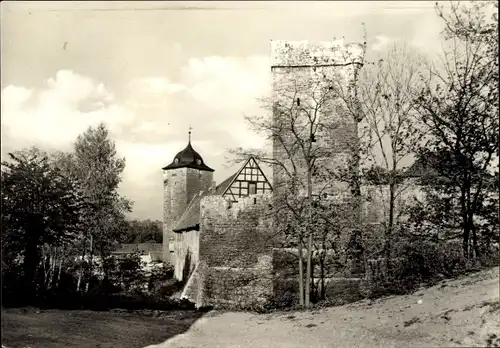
150, 70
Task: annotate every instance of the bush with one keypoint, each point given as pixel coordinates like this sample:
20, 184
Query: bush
127, 287
423, 262
285, 294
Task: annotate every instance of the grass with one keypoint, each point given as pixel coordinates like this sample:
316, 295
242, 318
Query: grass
27, 327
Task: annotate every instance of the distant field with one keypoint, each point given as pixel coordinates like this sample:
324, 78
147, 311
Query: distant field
22, 328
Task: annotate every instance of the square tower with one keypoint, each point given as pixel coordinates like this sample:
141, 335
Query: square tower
321, 79
183, 179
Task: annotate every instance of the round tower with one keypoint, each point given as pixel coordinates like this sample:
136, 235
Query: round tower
186, 176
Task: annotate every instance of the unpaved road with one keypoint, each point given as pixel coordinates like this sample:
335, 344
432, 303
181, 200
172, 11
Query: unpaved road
461, 312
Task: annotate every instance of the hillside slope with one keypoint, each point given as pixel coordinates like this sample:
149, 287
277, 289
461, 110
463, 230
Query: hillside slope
460, 312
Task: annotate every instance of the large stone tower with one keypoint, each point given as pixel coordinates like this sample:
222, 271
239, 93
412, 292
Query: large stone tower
315, 84
185, 177
314, 74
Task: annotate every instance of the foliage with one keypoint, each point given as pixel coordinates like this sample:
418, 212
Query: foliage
58, 211
98, 170
141, 231
39, 206
459, 107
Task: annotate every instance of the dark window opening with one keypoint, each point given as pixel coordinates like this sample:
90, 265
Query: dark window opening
298, 101
252, 188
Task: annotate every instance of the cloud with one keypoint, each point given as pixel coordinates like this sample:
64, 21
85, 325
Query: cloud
426, 36
55, 116
228, 81
382, 42
211, 94
149, 122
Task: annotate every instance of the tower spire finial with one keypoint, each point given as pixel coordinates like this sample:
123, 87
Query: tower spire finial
190, 133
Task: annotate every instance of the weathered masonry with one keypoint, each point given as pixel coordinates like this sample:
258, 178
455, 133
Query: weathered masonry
224, 245
311, 74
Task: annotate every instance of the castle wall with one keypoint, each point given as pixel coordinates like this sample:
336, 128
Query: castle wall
236, 246
187, 253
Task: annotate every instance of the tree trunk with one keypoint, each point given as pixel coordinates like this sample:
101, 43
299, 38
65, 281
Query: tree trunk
309, 270
357, 254
60, 266
474, 240
80, 271
30, 264
465, 224
301, 274
322, 273
91, 263
52, 264
390, 226
309, 237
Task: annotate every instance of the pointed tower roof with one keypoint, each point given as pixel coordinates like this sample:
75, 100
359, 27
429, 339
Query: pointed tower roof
188, 158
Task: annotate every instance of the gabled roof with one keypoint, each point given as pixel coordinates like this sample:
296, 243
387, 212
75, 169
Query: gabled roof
420, 169
223, 186
249, 163
190, 219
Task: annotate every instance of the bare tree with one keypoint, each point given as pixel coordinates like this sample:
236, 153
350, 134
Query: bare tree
390, 127
459, 107
306, 163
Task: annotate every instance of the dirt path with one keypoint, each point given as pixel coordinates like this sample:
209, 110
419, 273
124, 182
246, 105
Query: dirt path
462, 312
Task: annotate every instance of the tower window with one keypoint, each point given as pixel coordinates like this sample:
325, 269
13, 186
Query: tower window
298, 101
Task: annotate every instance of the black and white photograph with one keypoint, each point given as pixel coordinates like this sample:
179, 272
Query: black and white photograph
239, 174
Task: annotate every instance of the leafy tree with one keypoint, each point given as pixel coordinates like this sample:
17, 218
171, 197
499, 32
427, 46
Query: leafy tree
142, 231
459, 107
39, 205
98, 171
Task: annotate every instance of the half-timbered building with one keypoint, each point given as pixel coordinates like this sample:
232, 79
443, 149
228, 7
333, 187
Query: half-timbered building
187, 180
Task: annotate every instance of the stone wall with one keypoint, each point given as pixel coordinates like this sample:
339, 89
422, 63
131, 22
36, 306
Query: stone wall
186, 253
377, 198
236, 246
